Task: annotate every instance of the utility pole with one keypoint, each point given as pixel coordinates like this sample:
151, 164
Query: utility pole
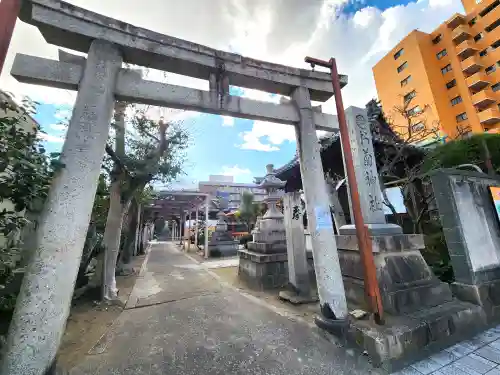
9, 11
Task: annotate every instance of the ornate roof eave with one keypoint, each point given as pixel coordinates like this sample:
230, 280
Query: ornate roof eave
329, 140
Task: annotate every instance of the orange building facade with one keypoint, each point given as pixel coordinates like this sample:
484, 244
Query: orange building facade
451, 75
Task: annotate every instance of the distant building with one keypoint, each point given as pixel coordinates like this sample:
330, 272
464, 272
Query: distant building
220, 178
223, 186
455, 70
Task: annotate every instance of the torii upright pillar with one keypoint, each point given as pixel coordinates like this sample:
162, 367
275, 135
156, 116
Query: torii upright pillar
44, 301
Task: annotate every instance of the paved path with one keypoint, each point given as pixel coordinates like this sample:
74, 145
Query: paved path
181, 320
480, 355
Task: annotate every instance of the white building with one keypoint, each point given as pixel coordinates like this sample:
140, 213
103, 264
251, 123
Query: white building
226, 187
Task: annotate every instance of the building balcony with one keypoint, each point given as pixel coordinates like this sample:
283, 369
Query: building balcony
456, 20
471, 65
489, 116
460, 34
477, 81
466, 48
483, 98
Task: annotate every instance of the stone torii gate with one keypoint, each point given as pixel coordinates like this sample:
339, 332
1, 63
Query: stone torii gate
44, 302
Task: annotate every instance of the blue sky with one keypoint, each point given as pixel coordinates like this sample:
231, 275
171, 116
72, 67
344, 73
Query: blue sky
214, 146
351, 7
357, 33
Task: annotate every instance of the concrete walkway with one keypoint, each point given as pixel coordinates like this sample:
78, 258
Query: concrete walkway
181, 320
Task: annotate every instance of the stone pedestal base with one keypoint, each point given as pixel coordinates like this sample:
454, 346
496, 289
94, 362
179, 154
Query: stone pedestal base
267, 271
263, 271
486, 295
223, 248
267, 248
406, 282
412, 337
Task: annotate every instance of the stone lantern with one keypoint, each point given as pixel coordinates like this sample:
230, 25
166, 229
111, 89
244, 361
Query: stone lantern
271, 227
264, 264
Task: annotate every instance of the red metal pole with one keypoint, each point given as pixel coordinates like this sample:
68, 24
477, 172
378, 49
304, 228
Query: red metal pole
9, 10
372, 289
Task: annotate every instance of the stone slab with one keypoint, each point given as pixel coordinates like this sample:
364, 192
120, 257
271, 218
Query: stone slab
132, 88
410, 338
486, 295
405, 280
297, 299
373, 229
73, 27
267, 248
262, 258
384, 243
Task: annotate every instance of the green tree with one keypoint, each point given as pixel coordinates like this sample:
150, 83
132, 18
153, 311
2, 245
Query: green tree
249, 210
142, 151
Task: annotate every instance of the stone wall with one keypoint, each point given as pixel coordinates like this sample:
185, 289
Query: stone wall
472, 233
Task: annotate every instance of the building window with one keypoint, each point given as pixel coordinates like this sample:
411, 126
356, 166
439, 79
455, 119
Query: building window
451, 84
446, 69
418, 126
484, 52
441, 54
478, 37
437, 39
490, 69
409, 96
496, 44
473, 21
399, 53
461, 117
414, 111
493, 26
495, 87
405, 81
488, 9
402, 67
479, 1
456, 100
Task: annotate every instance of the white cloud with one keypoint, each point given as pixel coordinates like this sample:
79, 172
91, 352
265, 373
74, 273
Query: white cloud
235, 171
59, 127
262, 131
62, 114
280, 31
227, 121
51, 138
364, 17
261, 96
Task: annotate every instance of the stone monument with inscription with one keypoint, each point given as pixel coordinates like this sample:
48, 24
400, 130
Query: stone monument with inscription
264, 264
408, 287
397, 255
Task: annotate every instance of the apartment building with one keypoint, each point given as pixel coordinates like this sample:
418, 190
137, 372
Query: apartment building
453, 72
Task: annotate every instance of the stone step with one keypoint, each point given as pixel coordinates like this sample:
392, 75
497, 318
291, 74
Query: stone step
405, 339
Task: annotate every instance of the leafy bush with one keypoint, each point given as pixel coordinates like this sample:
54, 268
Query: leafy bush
25, 176
464, 151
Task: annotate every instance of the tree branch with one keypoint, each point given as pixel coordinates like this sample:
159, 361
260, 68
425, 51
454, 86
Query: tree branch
118, 162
